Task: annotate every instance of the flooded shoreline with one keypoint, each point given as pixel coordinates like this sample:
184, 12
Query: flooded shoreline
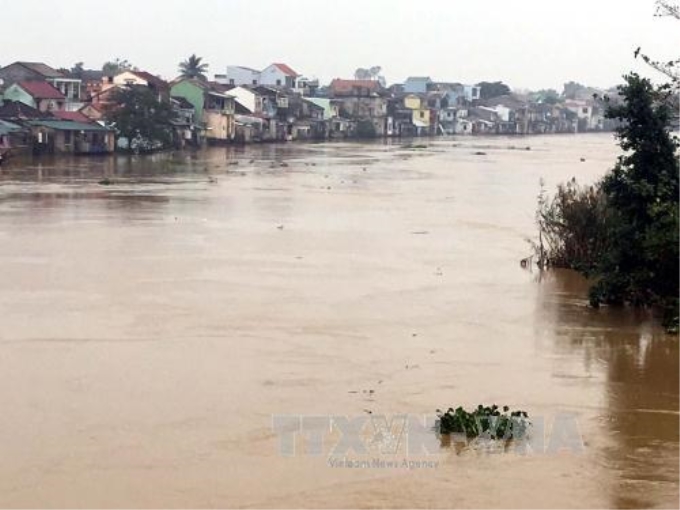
153, 326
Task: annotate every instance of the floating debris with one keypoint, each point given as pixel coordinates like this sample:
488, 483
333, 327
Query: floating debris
106, 182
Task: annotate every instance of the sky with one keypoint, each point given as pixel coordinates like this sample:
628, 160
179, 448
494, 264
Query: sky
528, 44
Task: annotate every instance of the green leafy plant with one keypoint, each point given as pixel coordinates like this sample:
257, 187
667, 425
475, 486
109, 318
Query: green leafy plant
484, 421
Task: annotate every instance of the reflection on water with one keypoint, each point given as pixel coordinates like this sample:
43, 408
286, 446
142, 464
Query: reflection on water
152, 326
640, 365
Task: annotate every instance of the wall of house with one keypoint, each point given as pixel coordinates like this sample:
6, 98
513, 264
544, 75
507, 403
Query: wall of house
192, 93
220, 126
247, 98
128, 78
241, 76
471, 92
412, 102
363, 107
422, 115
274, 76
415, 86
16, 93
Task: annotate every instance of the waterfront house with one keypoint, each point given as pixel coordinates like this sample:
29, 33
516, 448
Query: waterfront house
40, 95
214, 109
279, 75
361, 100
454, 120
55, 136
185, 130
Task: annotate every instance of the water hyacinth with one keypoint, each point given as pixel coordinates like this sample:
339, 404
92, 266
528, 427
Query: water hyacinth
484, 421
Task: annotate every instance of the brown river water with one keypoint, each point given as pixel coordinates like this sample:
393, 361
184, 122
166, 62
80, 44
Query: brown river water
154, 331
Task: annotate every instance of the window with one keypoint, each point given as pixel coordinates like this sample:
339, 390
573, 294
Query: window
231, 82
67, 137
278, 83
254, 82
422, 115
585, 111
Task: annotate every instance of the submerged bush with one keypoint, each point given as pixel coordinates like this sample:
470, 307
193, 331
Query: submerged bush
573, 227
484, 421
623, 231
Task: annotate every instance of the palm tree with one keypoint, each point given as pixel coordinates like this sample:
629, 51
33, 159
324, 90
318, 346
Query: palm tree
193, 67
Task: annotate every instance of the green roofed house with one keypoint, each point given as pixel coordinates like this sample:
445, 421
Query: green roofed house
69, 137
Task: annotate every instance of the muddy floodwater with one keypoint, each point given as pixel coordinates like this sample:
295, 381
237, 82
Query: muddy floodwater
156, 330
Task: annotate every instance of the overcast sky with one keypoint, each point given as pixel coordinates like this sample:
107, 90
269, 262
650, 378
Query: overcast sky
526, 43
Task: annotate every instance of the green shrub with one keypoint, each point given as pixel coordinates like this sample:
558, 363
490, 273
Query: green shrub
484, 421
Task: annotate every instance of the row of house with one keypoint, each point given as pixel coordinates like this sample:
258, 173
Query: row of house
46, 110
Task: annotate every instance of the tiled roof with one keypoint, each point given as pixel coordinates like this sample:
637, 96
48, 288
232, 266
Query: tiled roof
43, 69
339, 86
41, 90
74, 116
285, 69
151, 79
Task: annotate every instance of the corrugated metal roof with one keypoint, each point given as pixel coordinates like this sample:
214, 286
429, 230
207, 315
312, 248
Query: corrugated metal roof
66, 125
8, 127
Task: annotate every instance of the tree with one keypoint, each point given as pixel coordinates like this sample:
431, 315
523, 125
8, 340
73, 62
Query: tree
489, 90
572, 90
641, 265
117, 66
548, 96
77, 70
670, 68
194, 67
362, 74
145, 122
375, 72
623, 232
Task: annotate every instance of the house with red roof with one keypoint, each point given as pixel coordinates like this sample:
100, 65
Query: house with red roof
69, 86
38, 94
279, 75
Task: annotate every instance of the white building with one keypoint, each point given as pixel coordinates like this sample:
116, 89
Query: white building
279, 75
247, 98
239, 75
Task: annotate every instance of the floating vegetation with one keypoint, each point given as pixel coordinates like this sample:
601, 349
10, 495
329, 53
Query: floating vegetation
415, 146
487, 422
106, 182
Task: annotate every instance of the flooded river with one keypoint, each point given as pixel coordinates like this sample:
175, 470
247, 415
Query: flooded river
155, 331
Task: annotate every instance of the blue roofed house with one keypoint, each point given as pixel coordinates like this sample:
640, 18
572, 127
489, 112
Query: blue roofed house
417, 84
